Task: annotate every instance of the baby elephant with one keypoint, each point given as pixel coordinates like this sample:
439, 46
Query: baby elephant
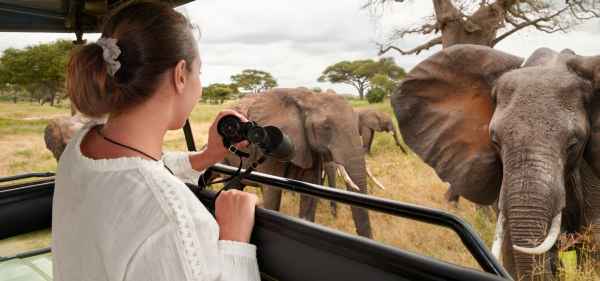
371, 121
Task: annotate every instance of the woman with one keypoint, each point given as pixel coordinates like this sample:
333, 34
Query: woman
120, 212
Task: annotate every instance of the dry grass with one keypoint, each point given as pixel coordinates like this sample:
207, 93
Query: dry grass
406, 178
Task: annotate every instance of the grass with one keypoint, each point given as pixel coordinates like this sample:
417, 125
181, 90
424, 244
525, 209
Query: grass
406, 178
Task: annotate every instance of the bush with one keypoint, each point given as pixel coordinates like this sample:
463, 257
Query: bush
375, 95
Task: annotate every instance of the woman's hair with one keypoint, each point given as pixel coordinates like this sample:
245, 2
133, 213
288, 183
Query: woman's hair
152, 38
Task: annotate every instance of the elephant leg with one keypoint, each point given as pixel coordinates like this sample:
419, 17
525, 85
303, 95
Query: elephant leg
271, 197
367, 137
361, 217
369, 140
308, 204
308, 207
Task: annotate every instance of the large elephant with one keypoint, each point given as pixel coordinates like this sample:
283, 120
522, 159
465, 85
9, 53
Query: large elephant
524, 132
323, 128
371, 121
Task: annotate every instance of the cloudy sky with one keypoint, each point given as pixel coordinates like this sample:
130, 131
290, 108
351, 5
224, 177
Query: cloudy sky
296, 40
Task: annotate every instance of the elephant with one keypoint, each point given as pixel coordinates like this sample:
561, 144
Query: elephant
323, 128
371, 121
60, 130
523, 132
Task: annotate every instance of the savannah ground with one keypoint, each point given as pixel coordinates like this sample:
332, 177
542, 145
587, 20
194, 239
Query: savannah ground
406, 178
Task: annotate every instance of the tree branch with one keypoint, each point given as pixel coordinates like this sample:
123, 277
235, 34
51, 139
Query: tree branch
426, 28
526, 24
416, 50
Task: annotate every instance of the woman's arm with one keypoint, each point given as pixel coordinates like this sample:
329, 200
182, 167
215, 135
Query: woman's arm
189, 245
188, 165
166, 256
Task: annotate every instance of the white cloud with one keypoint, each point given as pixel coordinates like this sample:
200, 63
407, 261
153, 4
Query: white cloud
296, 40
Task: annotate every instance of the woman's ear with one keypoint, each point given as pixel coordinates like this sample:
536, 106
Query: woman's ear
179, 77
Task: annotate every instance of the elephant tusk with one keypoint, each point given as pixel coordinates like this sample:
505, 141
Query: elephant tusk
346, 177
377, 183
548, 242
498, 237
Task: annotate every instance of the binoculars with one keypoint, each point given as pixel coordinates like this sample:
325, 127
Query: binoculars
270, 139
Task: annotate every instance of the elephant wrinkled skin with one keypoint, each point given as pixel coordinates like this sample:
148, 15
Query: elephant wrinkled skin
524, 132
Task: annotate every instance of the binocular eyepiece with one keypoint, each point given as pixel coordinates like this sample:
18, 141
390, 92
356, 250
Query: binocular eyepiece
270, 139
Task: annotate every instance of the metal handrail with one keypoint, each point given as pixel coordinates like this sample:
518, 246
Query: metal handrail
27, 254
26, 176
429, 215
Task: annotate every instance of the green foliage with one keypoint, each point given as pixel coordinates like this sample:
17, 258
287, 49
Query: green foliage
360, 74
217, 93
38, 70
254, 80
383, 82
375, 95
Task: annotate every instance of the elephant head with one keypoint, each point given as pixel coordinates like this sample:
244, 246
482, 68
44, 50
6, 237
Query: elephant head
323, 128
524, 132
60, 130
370, 121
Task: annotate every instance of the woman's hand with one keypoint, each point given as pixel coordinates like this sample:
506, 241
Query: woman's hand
215, 149
234, 211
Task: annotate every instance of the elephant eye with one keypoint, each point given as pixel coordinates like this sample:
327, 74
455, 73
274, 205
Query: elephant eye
572, 148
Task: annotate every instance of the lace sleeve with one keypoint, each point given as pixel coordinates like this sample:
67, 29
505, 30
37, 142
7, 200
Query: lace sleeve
189, 245
179, 163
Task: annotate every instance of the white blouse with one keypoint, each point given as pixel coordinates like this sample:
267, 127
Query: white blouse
130, 219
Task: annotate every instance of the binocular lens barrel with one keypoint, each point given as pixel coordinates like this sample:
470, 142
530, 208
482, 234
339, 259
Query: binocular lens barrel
270, 139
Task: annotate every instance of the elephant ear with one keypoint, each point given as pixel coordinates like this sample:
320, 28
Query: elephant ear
444, 108
589, 69
274, 109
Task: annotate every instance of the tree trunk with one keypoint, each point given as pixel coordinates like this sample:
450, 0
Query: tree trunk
361, 92
52, 98
480, 28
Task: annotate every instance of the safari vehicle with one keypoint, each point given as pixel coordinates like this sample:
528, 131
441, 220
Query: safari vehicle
288, 248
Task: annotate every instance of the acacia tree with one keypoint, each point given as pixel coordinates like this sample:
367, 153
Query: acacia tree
217, 92
254, 80
359, 73
487, 22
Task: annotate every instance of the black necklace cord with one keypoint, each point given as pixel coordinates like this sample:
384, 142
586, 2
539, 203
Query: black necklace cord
128, 147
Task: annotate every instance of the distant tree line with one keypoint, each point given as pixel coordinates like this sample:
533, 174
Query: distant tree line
36, 73
249, 80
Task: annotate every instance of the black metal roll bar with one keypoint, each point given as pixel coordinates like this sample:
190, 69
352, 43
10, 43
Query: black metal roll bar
26, 176
428, 215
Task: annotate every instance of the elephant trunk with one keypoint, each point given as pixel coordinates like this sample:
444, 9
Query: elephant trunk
532, 200
355, 166
396, 139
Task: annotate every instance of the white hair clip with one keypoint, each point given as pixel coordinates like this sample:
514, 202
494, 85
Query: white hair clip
110, 53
